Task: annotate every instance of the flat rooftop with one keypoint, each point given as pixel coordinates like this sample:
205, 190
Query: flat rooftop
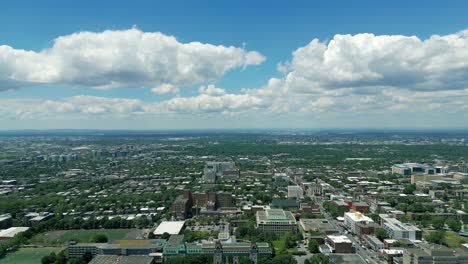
102, 259
275, 215
170, 227
373, 239
346, 258
339, 239
360, 204
4, 217
358, 217
392, 251
175, 240
321, 225
12, 231
395, 224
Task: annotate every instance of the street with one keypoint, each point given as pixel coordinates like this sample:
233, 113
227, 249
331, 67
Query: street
367, 255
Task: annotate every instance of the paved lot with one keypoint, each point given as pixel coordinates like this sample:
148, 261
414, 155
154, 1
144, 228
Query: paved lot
209, 228
301, 259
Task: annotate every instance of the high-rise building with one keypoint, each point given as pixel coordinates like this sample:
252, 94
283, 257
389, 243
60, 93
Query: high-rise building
214, 170
212, 200
209, 173
181, 207
224, 200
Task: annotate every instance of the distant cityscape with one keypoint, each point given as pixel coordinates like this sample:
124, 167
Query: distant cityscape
353, 198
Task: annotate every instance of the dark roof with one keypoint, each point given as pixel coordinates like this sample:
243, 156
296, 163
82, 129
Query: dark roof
101, 259
284, 202
175, 240
360, 204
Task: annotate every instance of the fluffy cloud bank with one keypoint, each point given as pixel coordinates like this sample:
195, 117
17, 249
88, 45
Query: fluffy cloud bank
366, 60
352, 76
121, 58
367, 72
94, 105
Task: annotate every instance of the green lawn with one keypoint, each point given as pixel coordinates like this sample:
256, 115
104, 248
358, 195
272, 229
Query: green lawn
63, 236
28, 255
7, 156
454, 240
279, 247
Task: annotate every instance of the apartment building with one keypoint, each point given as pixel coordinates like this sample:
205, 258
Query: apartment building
397, 229
351, 219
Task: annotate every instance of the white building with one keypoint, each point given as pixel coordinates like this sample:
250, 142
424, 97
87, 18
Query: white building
295, 192
352, 218
397, 229
170, 227
11, 232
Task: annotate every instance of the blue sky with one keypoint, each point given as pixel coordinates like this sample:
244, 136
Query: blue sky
274, 29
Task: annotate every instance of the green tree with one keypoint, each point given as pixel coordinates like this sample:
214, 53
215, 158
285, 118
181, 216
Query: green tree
409, 189
374, 217
319, 259
99, 238
283, 259
87, 257
46, 260
454, 224
165, 235
436, 237
438, 222
264, 260
399, 244
289, 240
313, 246
61, 258
381, 234
76, 261
142, 222
245, 260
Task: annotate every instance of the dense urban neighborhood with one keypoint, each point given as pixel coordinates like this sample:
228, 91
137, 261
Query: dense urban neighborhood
233, 132
104, 197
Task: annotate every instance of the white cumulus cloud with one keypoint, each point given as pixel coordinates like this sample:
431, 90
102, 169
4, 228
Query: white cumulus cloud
121, 58
211, 90
349, 78
165, 89
365, 60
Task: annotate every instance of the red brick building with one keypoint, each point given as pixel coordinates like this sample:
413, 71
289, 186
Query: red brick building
339, 244
360, 207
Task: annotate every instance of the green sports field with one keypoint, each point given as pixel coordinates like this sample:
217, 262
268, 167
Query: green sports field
56, 238
454, 240
28, 255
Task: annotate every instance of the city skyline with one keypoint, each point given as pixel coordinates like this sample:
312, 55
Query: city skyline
187, 65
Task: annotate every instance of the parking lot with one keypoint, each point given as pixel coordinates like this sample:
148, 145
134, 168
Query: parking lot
210, 228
